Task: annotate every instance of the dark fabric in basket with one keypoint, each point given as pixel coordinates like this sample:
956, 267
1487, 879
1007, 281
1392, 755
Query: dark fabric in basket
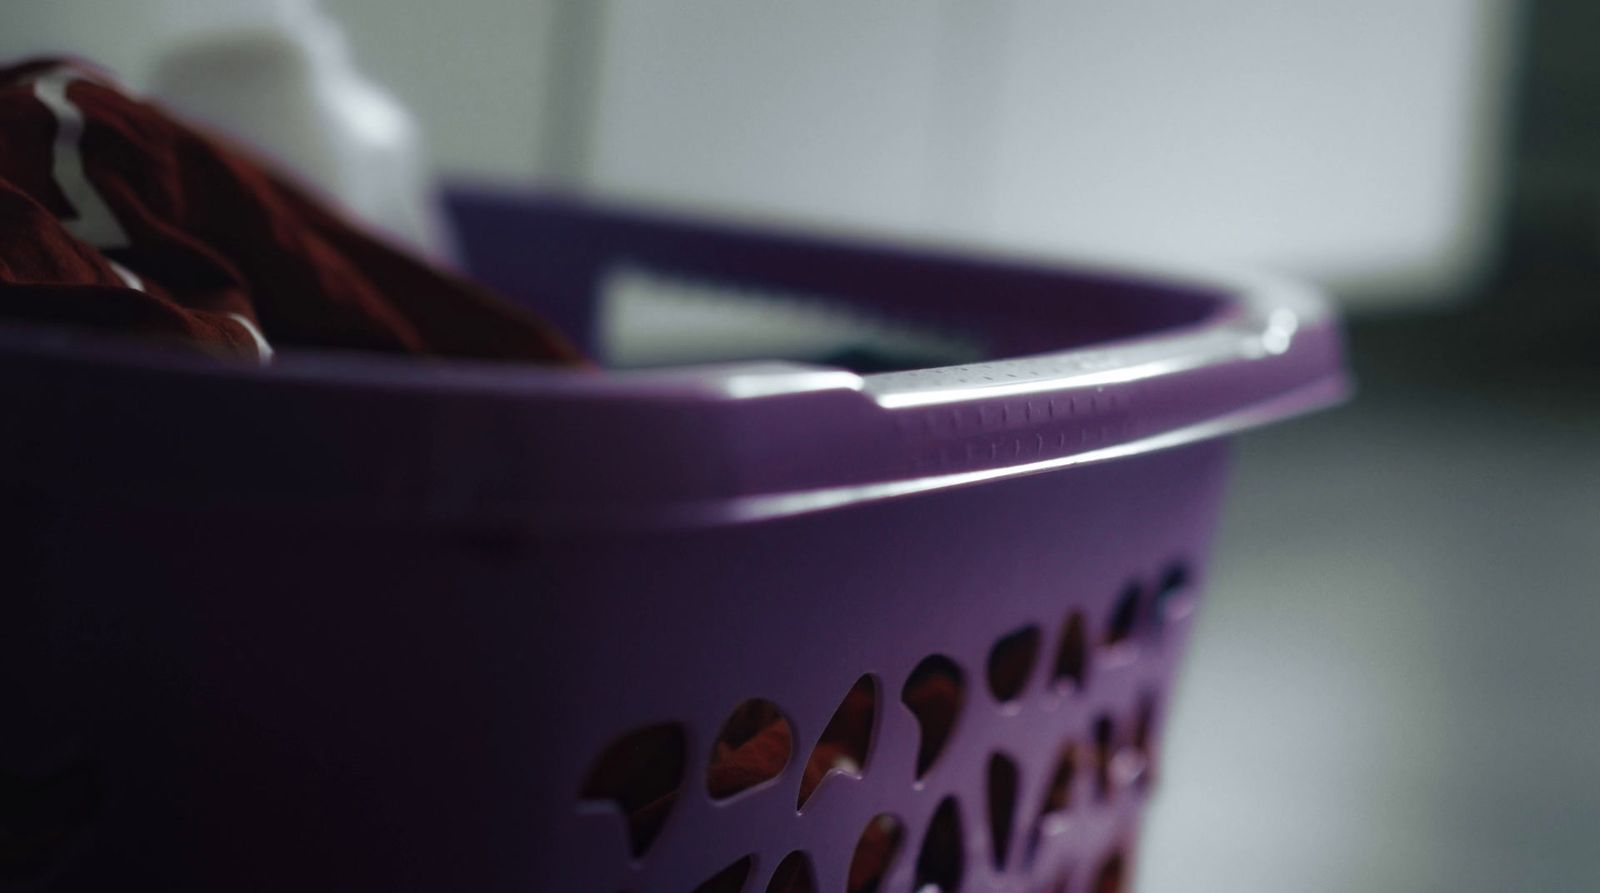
115, 216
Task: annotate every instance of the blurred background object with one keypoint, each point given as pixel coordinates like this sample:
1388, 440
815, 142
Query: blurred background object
1354, 142
274, 74
279, 75
1393, 684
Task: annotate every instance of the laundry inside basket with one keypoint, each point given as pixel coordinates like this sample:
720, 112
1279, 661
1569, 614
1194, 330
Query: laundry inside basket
655, 319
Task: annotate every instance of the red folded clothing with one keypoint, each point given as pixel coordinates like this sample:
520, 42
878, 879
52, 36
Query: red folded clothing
117, 217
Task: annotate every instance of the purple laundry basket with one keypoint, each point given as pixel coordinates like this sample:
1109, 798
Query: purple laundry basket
363, 623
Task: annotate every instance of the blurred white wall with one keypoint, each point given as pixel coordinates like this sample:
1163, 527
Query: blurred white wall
1351, 141
474, 71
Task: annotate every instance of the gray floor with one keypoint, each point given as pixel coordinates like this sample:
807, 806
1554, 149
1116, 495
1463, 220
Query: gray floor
1395, 683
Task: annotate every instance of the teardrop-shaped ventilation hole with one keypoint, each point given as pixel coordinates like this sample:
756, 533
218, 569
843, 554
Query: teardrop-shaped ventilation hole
730, 879
1124, 616
1104, 747
1072, 657
1112, 876
1011, 663
846, 741
1002, 788
875, 852
934, 692
1143, 734
1173, 598
793, 875
1144, 722
942, 859
640, 773
1058, 798
753, 748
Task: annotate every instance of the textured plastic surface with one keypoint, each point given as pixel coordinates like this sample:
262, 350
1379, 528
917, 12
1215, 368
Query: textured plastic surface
361, 624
